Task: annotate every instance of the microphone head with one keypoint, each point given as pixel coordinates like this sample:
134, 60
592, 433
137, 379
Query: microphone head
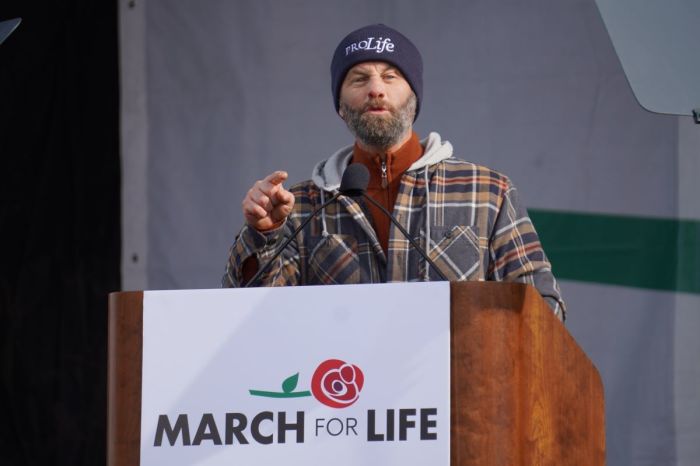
355, 180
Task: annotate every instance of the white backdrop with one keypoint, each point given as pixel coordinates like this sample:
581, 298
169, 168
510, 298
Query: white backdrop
218, 93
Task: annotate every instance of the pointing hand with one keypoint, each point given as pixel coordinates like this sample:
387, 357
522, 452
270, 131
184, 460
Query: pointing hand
267, 204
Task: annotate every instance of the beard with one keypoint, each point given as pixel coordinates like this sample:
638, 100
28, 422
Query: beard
380, 131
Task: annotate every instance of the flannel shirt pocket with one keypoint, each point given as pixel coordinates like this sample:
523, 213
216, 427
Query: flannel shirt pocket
455, 250
333, 260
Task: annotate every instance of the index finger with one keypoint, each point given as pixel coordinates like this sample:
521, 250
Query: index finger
276, 178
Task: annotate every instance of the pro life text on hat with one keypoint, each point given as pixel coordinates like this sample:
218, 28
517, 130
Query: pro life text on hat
378, 46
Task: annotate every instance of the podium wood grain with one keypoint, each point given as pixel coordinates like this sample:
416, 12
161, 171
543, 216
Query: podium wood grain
523, 392
125, 342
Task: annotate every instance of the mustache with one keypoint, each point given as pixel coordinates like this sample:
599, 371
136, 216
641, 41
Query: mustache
378, 103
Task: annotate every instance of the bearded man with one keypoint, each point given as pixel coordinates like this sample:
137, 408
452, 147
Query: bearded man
467, 217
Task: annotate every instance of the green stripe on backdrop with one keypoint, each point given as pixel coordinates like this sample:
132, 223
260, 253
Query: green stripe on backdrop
661, 254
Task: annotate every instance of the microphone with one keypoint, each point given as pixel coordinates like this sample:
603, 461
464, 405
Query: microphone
363, 174
354, 182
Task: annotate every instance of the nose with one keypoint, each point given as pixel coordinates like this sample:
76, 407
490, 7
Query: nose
376, 87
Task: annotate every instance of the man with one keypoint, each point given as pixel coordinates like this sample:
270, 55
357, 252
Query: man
468, 218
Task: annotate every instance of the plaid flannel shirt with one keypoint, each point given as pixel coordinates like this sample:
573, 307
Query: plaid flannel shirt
471, 215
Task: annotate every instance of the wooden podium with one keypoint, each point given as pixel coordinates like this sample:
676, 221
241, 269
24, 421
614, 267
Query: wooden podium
522, 391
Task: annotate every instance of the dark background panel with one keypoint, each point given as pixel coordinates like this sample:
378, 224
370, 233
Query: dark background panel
60, 227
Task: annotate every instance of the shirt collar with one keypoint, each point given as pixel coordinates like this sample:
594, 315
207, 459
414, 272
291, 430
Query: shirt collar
397, 162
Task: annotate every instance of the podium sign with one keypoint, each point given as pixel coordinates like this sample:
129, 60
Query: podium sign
342, 375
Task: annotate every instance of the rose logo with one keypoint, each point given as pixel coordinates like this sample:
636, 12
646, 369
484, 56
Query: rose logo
336, 383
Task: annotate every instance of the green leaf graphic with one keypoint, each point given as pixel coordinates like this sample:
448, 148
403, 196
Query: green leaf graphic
290, 383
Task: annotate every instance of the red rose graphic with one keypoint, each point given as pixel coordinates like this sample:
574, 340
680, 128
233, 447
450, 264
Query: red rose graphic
336, 383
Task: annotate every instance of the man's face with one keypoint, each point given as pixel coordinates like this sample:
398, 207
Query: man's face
377, 104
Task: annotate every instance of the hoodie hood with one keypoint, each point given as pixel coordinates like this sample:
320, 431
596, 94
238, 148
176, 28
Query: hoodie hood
328, 173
